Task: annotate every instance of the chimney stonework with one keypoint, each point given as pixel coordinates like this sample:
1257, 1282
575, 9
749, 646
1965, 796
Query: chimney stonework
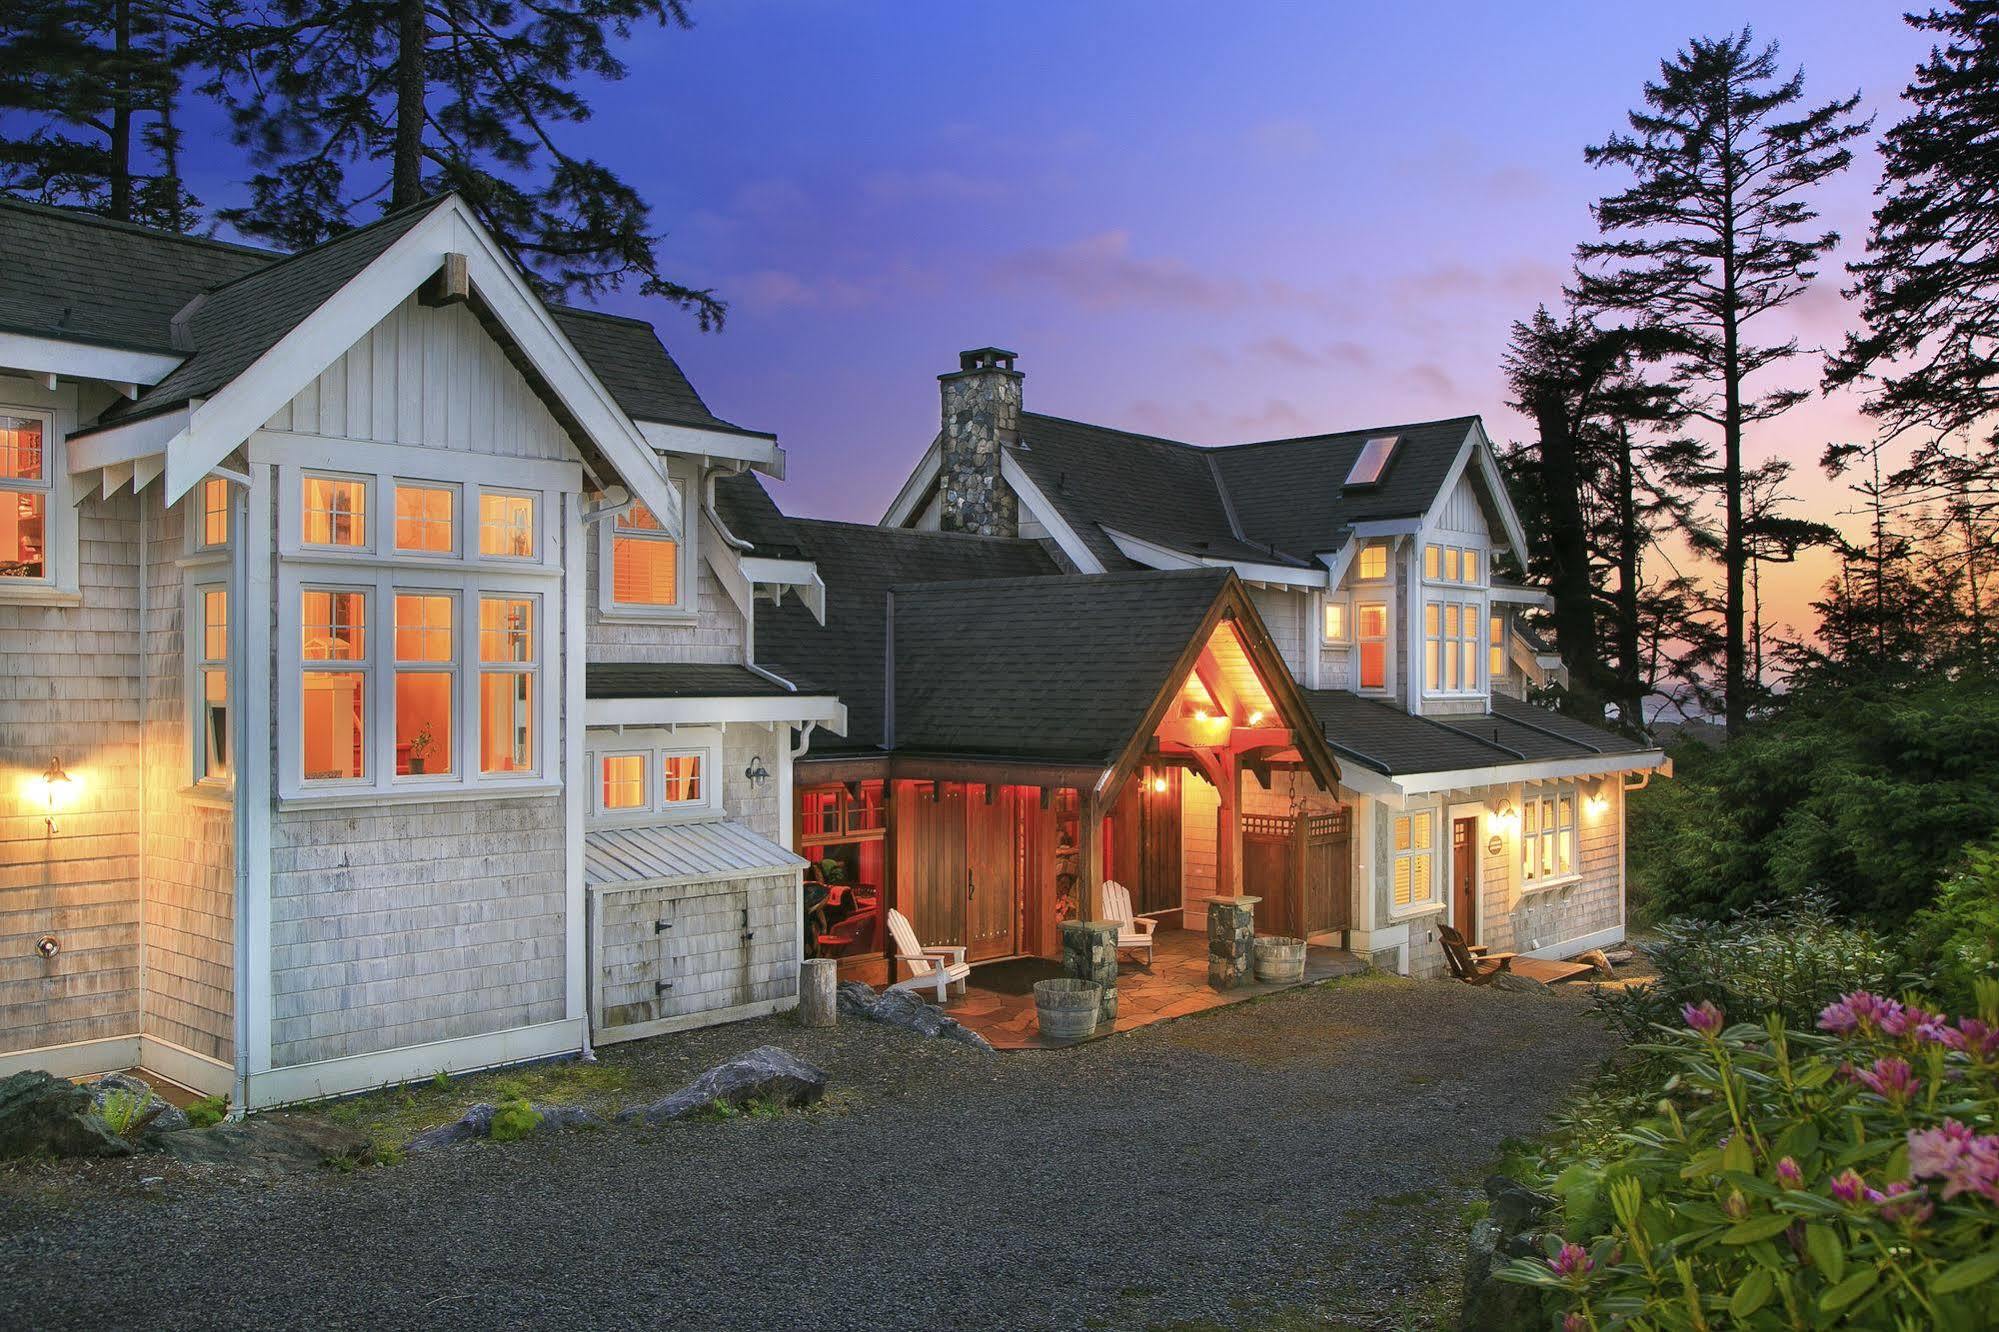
981, 417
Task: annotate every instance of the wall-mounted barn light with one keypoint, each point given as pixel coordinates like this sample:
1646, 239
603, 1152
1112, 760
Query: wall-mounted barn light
55, 788
757, 773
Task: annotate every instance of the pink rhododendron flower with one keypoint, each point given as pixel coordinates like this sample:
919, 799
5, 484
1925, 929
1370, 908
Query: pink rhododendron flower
1861, 1011
1703, 1017
1847, 1187
1788, 1174
1572, 1261
1574, 1322
1981, 1040
1935, 1031
1965, 1160
1902, 1201
1891, 1079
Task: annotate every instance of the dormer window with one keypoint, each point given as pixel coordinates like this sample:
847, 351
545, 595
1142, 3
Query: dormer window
1372, 563
1373, 461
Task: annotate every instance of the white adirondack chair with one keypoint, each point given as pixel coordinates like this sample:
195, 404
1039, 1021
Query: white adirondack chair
930, 968
1134, 932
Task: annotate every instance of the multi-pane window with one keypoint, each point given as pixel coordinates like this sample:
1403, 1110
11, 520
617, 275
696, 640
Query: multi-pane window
680, 779
1414, 858
24, 497
506, 525
645, 561
213, 514
1373, 561
211, 684
1371, 630
1548, 836
333, 715
1450, 646
334, 512
1452, 564
507, 672
425, 680
622, 782
424, 518
1496, 649
834, 813
1337, 628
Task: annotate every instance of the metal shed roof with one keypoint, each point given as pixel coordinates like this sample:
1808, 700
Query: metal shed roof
670, 853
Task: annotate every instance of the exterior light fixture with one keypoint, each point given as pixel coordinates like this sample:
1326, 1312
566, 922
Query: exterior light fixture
1506, 816
1256, 717
757, 773
56, 787
1159, 785
1596, 802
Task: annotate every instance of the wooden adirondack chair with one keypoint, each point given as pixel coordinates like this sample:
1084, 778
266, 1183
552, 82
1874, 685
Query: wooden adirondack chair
1470, 963
929, 968
1134, 932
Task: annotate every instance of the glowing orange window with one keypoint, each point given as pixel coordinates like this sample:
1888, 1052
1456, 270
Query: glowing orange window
645, 561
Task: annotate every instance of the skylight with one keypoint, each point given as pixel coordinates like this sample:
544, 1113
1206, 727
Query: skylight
1373, 460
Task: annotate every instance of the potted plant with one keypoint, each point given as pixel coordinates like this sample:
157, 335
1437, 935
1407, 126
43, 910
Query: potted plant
420, 746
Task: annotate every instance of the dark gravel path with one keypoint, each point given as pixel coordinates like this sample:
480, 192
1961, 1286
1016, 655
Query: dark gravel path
1304, 1155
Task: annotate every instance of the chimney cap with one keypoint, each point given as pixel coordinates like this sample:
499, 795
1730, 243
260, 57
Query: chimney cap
985, 358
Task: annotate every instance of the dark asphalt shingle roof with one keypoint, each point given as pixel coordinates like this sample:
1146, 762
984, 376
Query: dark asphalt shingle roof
859, 564
749, 512
658, 679
1277, 502
66, 274
1052, 669
1381, 736
635, 366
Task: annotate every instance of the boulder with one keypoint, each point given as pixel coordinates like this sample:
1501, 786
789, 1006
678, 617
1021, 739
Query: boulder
1513, 984
269, 1144
763, 1074
1510, 1230
1596, 958
158, 1116
41, 1114
478, 1123
908, 1010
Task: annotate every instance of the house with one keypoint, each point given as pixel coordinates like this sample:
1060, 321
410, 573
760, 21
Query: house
1375, 559
381, 693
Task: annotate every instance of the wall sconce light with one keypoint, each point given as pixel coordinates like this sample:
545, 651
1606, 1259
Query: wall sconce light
757, 773
1596, 802
56, 787
1506, 817
1159, 785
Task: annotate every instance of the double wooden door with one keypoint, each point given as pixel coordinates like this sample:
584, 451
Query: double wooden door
958, 868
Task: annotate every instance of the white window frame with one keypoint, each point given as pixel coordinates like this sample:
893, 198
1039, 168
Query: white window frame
196, 661
60, 580
452, 668
197, 528
535, 669
1387, 562
477, 524
1387, 639
1496, 648
371, 510
1345, 607
457, 492
1538, 804
1432, 901
658, 745
685, 588
1471, 612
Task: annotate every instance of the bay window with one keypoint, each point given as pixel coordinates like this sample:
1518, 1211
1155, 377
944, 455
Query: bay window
507, 673
1548, 836
1413, 860
1451, 646
1371, 630
25, 486
425, 684
426, 518
333, 628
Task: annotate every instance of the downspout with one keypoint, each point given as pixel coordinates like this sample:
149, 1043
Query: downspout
888, 671
145, 755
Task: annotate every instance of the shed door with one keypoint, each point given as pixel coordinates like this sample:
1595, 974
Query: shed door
1269, 870
1328, 898
706, 952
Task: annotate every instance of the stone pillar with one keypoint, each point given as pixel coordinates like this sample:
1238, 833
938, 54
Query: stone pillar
1089, 952
817, 984
981, 415
1231, 941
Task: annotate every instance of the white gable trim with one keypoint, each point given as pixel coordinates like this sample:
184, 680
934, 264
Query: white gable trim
761, 452
1477, 445
84, 360
1594, 765
908, 501
222, 422
780, 574
1043, 512
1151, 555
1155, 556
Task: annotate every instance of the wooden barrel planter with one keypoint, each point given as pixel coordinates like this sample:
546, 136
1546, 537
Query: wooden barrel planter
1280, 960
1067, 1008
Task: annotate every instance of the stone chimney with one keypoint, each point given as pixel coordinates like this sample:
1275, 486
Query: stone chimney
981, 417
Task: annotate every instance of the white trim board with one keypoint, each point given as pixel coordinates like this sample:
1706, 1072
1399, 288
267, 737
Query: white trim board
908, 501
1030, 497
689, 1021
1580, 944
85, 360
464, 1054
761, 452
822, 708
80, 1059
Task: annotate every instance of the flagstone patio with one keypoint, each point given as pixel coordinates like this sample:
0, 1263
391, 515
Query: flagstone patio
1174, 985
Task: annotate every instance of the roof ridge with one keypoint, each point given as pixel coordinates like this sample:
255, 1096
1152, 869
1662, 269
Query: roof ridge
908, 531
86, 218
588, 313
1360, 430
1207, 572
282, 258
1120, 430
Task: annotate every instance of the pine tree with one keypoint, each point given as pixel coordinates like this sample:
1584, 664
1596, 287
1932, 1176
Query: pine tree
1929, 287
348, 104
1710, 236
91, 85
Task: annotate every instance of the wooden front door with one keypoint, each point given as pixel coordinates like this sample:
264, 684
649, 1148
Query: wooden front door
1464, 877
1158, 886
992, 898
931, 861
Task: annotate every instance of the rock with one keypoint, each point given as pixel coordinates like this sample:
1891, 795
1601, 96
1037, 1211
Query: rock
1513, 984
901, 1008
477, 1122
763, 1074
1595, 957
908, 1010
159, 1115
41, 1114
271, 1144
1619, 956
1507, 1231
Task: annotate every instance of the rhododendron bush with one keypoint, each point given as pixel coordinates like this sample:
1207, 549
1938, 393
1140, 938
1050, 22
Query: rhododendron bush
1843, 1176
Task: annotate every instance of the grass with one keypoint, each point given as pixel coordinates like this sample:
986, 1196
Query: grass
389, 1117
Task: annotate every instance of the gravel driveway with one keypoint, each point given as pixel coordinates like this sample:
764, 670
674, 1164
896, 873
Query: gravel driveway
1302, 1157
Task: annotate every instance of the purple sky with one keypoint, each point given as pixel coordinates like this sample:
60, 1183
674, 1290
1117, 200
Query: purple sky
1209, 221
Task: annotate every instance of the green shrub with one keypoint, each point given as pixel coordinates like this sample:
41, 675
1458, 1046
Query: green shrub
1956, 941
208, 1110
513, 1119
1846, 1176
1788, 961
123, 1110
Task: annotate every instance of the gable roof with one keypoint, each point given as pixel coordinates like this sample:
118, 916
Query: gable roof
1379, 736
748, 511
1057, 669
859, 564
636, 367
